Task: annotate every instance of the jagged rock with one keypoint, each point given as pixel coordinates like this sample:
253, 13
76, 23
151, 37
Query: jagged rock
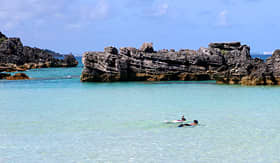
2, 37
273, 66
137, 65
16, 57
11, 51
227, 63
18, 76
4, 75
273, 63
147, 47
70, 61
111, 50
225, 46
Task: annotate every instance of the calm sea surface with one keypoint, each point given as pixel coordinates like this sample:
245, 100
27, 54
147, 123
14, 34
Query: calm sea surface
56, 118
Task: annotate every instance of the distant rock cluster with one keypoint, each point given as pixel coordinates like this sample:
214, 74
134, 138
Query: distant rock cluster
17, 76
16, 57
227, 63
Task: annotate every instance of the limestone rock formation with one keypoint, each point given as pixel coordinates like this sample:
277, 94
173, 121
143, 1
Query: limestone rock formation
16, 57
227, 63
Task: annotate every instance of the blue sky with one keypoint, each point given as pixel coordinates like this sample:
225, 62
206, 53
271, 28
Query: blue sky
85, 25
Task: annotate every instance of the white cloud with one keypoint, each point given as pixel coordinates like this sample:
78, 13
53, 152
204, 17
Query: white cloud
223, 18
14, 13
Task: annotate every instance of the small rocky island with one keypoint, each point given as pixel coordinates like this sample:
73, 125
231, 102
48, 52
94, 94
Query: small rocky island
16, 57
227, 63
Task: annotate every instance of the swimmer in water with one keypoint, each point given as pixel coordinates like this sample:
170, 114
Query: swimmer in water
183, 118
195, 123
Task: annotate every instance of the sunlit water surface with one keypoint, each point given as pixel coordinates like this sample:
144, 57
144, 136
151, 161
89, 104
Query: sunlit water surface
56, 118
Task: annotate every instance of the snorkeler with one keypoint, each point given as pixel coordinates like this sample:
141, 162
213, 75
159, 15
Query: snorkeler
183, 118
195, 122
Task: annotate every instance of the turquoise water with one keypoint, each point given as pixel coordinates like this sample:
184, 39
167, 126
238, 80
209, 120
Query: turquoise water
55, 118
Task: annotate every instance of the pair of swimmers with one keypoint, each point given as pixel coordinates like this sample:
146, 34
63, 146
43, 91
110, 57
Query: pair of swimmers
195, 122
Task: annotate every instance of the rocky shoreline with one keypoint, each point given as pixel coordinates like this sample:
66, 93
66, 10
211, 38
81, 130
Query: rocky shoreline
16, 57
227, 63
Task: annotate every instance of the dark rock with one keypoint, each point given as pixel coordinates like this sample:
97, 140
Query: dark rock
53, 53
111, 50
36, 55
163, 51
125, 51
8, 68
2, 37
225, 46
147, 47
70, 61
4, 75
137, 65
227, 63
273, 66
18, 76
16, 57
11, 51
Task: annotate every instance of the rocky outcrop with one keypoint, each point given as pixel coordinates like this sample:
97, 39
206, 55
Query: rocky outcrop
38, 58
16, 57
18, 76
227, 63
69, 61
11, 51
2, 37
147, 47
4, 75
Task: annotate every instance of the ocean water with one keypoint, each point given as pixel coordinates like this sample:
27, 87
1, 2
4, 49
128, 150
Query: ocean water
56, 118
264, 57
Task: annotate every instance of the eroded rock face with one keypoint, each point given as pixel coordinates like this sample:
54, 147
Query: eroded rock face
273, 66
70, 61
11, 51
16, 57
227, 63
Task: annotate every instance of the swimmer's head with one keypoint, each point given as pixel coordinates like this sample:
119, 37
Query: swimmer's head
195, 121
